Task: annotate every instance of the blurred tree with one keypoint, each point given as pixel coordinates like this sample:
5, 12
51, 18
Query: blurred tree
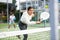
2, 6
13, 5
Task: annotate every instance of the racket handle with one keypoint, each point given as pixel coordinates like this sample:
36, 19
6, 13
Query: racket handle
40, 20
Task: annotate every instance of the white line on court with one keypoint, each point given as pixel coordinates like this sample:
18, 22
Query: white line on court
14, 33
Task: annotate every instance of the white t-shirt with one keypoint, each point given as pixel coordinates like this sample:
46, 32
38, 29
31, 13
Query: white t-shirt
12, 18
26, 18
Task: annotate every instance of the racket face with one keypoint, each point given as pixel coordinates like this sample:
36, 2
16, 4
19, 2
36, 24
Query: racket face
44, 15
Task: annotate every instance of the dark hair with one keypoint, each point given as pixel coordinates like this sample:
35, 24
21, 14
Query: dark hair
29, 8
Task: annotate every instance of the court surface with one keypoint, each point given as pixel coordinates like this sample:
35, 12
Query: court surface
43, 35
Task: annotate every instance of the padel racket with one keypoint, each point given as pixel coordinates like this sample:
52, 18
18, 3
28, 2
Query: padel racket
44, 16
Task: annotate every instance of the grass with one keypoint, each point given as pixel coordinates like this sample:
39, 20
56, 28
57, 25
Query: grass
2, 25
35, 36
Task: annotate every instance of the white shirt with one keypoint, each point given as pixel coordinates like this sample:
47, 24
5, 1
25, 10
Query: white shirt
26, 18
12, 18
